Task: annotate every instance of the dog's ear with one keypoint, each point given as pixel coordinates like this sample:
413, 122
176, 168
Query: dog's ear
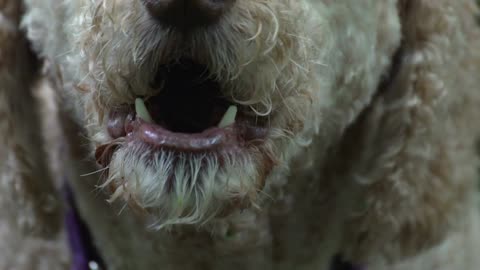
28, 198
413, 148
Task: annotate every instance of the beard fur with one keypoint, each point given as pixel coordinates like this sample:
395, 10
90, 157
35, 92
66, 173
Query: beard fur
187, 188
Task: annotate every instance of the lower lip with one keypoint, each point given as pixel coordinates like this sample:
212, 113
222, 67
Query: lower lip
123, 123
212, 139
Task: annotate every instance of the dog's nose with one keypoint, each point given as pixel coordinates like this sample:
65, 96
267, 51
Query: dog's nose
187, 14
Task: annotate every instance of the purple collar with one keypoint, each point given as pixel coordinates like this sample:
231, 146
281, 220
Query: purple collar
86, 257
84, 254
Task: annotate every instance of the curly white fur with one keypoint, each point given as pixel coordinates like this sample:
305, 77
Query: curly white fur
370, 149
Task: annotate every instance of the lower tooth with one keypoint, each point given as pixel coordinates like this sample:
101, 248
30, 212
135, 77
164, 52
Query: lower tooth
229, 117
142, 111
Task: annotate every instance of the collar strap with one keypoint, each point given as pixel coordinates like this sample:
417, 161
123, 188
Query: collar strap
84, 254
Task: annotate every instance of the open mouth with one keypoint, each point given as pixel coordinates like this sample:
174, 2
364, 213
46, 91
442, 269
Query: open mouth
189, 114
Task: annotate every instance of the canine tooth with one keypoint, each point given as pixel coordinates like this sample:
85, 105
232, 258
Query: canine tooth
229, 117
142, 111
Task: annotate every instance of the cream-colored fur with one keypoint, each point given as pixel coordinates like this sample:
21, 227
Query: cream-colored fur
372, 108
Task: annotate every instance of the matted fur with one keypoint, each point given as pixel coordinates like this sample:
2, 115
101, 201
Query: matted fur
371, 107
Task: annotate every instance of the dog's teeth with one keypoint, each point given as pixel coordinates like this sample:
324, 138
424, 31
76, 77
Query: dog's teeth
142, 111
229, 117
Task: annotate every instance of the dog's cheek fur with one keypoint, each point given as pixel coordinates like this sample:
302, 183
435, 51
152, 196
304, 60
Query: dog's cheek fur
29, 206
424, 181
30, 200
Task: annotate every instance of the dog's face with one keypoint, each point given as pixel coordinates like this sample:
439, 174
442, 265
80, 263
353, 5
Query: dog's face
190, 107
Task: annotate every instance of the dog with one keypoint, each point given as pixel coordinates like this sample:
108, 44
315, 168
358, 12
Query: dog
239, 134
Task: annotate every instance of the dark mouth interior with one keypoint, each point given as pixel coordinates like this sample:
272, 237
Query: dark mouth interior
189, 101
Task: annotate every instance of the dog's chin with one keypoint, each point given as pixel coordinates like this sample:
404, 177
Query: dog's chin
184, 188
186, 155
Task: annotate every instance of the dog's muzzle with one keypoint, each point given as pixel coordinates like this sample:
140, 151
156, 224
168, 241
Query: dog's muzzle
190, 114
